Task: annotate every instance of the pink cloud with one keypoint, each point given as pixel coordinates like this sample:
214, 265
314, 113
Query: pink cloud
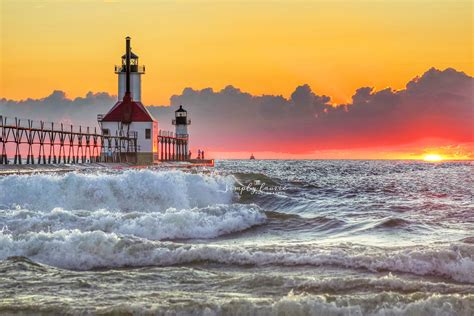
438, 104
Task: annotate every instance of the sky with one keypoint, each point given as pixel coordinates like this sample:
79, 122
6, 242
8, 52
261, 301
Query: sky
269, 48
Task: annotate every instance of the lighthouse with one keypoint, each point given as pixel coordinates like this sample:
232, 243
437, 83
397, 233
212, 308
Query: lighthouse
136, 71
128, 116
181, 123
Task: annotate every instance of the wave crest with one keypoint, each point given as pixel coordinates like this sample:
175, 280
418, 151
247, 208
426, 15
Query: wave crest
131, 190
86, 250
206, 222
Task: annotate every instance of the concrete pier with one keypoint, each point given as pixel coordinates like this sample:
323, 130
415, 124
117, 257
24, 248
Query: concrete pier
92, 167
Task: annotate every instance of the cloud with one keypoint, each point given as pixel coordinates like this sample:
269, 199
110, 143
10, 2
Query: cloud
437, 105
58, 108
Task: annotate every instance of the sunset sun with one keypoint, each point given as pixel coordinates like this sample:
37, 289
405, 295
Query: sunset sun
432, 157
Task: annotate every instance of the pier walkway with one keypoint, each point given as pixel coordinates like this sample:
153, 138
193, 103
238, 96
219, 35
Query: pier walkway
25, 141
30, 142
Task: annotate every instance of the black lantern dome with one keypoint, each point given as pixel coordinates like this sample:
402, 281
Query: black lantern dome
181, 116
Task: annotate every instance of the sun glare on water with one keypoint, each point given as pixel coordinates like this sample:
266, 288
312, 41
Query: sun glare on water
432, 157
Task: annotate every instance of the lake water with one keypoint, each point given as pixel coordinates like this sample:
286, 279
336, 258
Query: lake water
245, 238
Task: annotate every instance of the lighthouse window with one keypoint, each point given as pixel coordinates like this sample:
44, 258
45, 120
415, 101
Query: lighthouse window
147, 133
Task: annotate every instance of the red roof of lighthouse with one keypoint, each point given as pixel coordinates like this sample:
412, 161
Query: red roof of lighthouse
127, 111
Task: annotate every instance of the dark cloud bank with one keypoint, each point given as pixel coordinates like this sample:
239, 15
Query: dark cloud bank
439, 104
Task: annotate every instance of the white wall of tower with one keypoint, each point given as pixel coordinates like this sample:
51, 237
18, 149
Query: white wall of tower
181, 129
135, 85
145, 145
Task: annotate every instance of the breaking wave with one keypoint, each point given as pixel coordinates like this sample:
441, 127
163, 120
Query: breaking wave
97, 249
152, 205
128, 191
205, 222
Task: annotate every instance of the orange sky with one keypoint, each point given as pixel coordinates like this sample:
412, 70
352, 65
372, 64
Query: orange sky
259, 46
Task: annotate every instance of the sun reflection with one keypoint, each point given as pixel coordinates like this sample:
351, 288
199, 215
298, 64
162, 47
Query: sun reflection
432, 157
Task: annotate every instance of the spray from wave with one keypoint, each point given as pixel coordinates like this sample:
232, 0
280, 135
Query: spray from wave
146, 204
127, 191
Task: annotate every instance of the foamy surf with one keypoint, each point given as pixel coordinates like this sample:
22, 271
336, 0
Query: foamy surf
205, 222
300, 305
146, 204
97, 249
131, 190
294, 305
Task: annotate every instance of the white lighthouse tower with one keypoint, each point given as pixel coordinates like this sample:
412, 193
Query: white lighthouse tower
181, 122
128, 114
136, 71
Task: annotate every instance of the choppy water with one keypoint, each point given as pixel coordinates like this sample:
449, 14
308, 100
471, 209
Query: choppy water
249, 237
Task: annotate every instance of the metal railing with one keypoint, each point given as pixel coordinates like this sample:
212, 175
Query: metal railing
173, 121
50, 142
133, 68
172, 147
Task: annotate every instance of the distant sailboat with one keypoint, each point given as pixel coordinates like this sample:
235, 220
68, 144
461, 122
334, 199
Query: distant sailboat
252, 157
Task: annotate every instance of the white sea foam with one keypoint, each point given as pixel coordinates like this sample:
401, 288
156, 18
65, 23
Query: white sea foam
206, 222
295, 305
86, 250
206, 304
131, 190
147, 204
434, 305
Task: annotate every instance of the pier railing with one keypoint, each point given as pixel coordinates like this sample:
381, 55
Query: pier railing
172, 147
39, 142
